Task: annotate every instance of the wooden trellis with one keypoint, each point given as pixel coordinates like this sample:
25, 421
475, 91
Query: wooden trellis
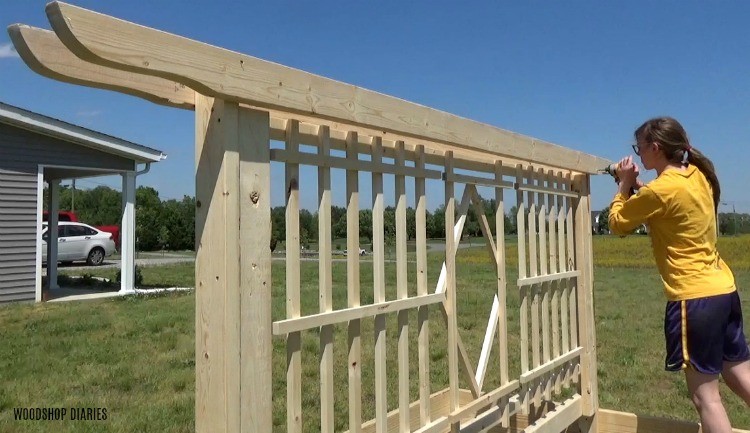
243, 104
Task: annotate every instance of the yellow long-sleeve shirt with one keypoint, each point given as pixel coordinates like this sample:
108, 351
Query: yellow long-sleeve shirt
678, 208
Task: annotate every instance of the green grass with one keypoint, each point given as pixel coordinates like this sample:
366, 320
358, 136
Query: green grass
135, 356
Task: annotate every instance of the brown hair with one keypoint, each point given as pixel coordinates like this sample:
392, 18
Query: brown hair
673, 140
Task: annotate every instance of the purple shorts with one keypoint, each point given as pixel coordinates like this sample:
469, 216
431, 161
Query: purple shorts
703, 333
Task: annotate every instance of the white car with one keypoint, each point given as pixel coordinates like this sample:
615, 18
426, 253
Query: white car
78, 241
362, 252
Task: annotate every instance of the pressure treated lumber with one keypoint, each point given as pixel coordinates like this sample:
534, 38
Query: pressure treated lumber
46, 55
219, 72
611, 421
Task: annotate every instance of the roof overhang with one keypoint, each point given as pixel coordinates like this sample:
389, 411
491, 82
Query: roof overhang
76, 134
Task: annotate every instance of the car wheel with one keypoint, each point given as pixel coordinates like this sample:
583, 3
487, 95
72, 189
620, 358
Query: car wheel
96, 257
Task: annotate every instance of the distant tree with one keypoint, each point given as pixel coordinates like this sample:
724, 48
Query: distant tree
338, 227
163, 238
389, 222
436, 223
511, 227
411, 223
278, 225
179, 217
148, 212
308, 227
365, 224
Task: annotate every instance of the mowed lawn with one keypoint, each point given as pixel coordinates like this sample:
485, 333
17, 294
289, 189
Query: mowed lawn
135, 356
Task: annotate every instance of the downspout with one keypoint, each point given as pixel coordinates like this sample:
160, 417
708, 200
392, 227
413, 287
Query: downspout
144, 171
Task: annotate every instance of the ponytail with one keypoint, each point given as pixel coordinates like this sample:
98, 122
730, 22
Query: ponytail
702, 163
674, 142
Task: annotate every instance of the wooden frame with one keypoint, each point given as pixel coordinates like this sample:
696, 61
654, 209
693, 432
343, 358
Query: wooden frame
242, 103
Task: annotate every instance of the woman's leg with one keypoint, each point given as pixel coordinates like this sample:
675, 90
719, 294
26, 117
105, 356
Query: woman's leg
737, 377
704, 391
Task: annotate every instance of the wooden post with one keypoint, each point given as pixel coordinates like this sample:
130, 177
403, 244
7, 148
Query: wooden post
233, 269
585, 299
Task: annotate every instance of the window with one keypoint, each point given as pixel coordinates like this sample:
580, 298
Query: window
76, 231
60, 233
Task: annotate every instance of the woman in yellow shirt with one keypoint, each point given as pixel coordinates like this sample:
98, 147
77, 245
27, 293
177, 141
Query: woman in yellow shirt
703, 319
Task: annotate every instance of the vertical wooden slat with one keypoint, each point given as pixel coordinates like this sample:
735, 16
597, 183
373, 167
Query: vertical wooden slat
450, 290
562, 263
544, 287
325, 282
533, 272
572, 265
502, 325
294, 340
424, 331
354, 339
523, 291
588, 381
378, 247
572, 288
401, 293
554, 287
255, 404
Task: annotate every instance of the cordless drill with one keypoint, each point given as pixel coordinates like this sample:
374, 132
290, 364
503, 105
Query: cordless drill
611, 170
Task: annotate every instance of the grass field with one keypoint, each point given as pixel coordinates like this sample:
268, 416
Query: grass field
135, 356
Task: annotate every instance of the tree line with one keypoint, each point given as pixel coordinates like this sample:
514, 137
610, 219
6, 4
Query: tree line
435, 223
170, 224
159, 224
730, 223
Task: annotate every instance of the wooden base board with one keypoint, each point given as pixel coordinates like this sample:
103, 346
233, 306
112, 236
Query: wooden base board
440, 407
611, 421
608, 421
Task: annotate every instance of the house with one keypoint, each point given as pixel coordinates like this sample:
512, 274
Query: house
35, 150
595, 214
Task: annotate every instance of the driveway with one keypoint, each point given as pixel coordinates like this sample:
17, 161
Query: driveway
143, 259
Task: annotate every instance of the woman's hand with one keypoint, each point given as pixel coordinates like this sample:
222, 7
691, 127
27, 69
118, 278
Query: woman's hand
627, 171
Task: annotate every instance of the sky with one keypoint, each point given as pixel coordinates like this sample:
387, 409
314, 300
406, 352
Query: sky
581, 74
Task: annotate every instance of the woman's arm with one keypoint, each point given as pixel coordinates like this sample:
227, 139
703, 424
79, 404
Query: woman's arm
627, 213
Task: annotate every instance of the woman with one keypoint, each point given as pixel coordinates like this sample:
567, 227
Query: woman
703, 317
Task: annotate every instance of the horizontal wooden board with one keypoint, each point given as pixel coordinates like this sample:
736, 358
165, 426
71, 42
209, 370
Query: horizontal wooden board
219, 72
